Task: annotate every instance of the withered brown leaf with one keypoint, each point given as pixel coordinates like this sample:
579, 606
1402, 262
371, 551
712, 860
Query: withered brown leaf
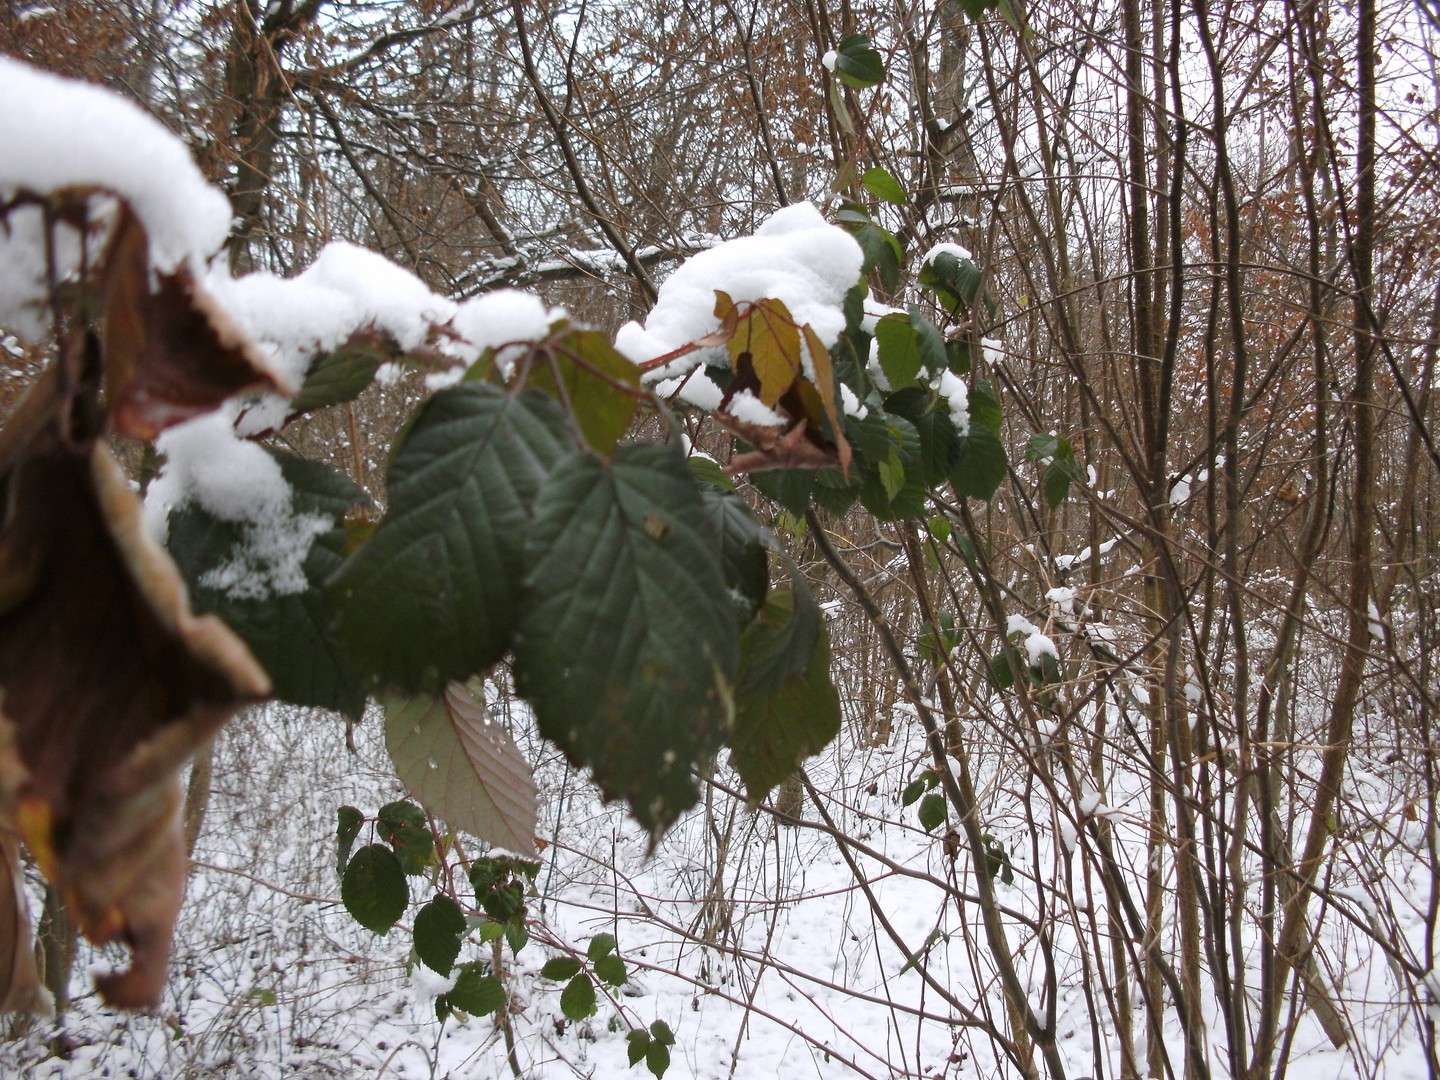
171, 352
109, 684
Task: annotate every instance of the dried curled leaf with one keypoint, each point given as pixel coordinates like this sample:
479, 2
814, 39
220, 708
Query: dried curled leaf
171, 352
109, 685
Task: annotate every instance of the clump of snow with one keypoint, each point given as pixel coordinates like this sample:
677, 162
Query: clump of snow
952, 389
1063, 598
59, 133
1037, 644
1069, 562
795, 257
961, 253
749, 409
238, 482
503, 320
829, 59
1377, 626
993, 350
1180, 491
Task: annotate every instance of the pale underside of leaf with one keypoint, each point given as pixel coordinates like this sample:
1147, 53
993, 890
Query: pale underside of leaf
463, 766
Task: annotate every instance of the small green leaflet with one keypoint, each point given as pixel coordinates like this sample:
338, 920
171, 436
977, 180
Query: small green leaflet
982, 465
857, 64
577, 1000
439, 926
932, 811
475, 992
404, 827
347, 828
373, 888
344, 372
432, 595
742, 555
560, 968
899, 351
882, 185
627, 644
778, 726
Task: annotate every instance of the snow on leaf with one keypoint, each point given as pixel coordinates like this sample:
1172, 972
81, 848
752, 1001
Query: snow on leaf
463, 765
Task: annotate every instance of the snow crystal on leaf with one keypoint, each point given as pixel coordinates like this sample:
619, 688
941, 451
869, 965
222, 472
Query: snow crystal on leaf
239, 482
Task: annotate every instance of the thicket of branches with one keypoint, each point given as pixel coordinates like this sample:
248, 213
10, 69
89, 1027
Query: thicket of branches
1210, 234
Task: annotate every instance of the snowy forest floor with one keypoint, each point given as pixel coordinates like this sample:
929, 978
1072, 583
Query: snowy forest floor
751, 939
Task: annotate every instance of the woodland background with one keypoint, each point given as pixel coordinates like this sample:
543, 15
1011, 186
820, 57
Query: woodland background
1210, 232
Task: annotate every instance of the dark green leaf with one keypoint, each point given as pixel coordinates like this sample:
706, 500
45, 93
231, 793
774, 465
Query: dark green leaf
560, 968
657, 1058
916, 788
930, 342
857, 64
344, 372
439, 926
1055, 484
432, 595
285, 630
882, 185
892, 474
475, 992
899, 352
1040, 447
791, 488
517, 934
661, 1033
984, 406
982, 465
706, 470
373, 888
882, 253
977, 8
348, 827
577, 1000
1002, 676
627, 645
932, 811
637, 1044
611, 969
780, 644
742, 555
939, 441
776, 731
601, 945
405, 828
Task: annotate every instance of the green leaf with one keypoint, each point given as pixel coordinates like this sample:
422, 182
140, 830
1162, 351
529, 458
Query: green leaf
916, 788
778, 729
432, 595
984, 406
661, 1033
976, 8
657, 1057
611, 970
930, 342
601, 945
286, 631
780, 644
475, 992
742, 554
1055, 484
463, 765
857, 64
439, 926
349, 821
517, 934
882, 252
932, 811
373, 888
954, 281
600, 385
899, 352
982, 465
1002, 676
883, 438
791, 488
627, 645
343, 373
404, 827
577, 1000
939, 441
882, 185
706, 470
637, 1044
560, 968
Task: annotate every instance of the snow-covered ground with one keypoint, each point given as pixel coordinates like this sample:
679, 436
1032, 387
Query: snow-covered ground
751, 940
